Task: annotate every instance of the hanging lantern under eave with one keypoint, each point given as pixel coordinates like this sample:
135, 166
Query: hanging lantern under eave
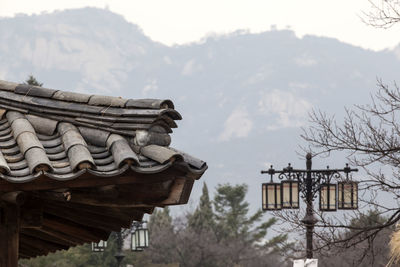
142, 237
327, 197
348, 195
290, 194
134, 247
100, 246
271, 196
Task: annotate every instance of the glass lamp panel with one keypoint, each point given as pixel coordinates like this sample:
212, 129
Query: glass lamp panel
133, 241
264, 196
332, 197
340, 196
290, 194
142, 239
134, 246
146, 238
286, 194
278, 193
323, 197
348, 197
295, 195
271, 196
355, 195
137, 238
327, 198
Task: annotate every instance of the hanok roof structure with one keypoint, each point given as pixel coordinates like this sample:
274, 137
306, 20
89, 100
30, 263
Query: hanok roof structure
76, 167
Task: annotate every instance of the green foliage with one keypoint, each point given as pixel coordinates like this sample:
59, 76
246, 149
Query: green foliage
232, 220
79, 256
203, 217
32, 81
369, 219
160, 219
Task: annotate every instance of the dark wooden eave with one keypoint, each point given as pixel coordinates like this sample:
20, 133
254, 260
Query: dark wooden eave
74, 167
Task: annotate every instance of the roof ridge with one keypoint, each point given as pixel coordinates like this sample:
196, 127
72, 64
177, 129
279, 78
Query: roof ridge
113, 114
88, 99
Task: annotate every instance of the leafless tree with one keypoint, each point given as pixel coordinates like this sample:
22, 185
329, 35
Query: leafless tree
370, 134
383, 13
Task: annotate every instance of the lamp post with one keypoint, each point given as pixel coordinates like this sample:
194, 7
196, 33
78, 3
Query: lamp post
308, 182
119, 255
139, 241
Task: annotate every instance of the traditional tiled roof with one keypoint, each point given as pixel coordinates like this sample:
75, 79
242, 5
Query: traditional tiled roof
86, 164
63, 135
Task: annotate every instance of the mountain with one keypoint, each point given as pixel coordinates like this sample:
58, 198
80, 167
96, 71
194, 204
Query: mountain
243, 96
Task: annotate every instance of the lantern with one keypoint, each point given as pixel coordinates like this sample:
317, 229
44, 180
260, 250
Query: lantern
133, 243
327, 197
348, 195
140, 237
271, 196
100, 246
290, 194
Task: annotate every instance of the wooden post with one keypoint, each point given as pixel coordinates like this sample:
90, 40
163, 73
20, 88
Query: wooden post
9, 234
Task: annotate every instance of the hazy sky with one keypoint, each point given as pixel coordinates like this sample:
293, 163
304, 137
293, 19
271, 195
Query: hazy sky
181, 21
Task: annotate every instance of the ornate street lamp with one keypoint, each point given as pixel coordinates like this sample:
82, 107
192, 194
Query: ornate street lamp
309, 182
99, 246
139, 241
139, 236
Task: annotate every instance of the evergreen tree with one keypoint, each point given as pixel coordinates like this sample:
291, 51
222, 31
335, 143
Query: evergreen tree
371, 251
203, 217
32, 81
231, 212
162, 246
79, 256
241, 235
160, 220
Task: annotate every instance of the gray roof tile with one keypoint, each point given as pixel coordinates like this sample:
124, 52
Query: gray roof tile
29, 90
108, 101
71, 97
58, 133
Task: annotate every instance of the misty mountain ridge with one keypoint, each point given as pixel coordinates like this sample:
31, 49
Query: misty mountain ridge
243, 96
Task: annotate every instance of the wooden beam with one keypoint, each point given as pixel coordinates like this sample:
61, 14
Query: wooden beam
38, 233
32, 213
187, 189
58, 234
138, 195
107, 191
26, 249
15, 198
125, 200
22, 255
89, 180
71, 228
175, 195
9, 235
80, 197
120, 212
43, 245
88, 218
